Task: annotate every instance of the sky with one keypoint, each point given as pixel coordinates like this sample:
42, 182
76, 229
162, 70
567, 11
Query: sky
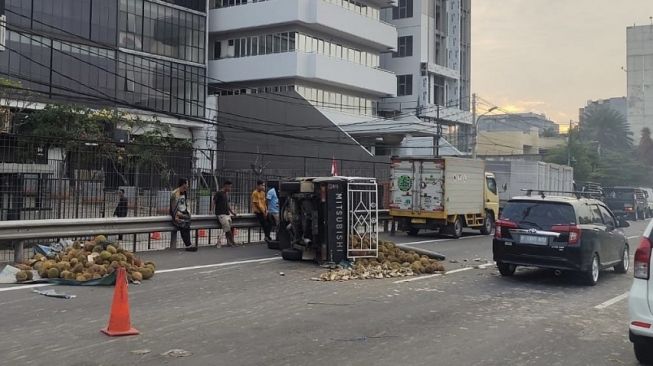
551, 56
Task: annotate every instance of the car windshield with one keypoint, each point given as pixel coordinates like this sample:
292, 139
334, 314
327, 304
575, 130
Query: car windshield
539, 215
620, 194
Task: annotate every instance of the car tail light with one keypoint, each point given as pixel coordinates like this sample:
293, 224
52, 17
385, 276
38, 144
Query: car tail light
641, 324
573, 231
643, 259
501, 224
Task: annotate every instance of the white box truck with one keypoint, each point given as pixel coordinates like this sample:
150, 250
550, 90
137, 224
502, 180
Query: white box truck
513, 176
444, 194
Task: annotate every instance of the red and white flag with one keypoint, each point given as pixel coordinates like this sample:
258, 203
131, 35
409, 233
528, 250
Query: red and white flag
334, 167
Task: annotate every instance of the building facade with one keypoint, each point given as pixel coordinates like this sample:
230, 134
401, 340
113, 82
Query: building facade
133, 54
432, 64
321, 56
327, 51
640, 78
522, 122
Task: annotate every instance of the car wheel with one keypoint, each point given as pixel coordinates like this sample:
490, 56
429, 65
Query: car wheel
623, 266
488, 225
291, 254
506, 269
456, 229
643, 353
592, 275
273, 244
413, 231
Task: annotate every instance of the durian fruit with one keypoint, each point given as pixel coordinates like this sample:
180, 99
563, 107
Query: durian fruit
111, 249
122, 257
30, 275
79, 268
67, 275
80, 277
147, 273
88, 246
96, 276
21, 276
129, 256
24, 267
38, 266
115, 257
73, 262
150, 263
97, 249
137, 276
77, 245
100, 239
53, 272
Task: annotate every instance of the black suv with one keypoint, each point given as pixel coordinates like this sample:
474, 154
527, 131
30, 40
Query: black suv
560, 233
627, 201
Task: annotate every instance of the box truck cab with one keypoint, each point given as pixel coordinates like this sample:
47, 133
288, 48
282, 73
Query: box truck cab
443, 194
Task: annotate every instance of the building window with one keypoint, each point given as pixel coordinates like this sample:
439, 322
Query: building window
404, 10
404, 47
404, 85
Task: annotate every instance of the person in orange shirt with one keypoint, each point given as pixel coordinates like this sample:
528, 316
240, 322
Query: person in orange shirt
260, 208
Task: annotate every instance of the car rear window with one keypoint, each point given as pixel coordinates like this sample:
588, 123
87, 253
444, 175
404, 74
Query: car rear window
539, 215
620, 194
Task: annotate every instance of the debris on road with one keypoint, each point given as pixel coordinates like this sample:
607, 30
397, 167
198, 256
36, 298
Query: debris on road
177, 353
392, 262
141, 352
85, 262
281, 274
54, 293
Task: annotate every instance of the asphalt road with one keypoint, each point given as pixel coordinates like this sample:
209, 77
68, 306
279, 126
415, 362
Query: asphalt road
231, 306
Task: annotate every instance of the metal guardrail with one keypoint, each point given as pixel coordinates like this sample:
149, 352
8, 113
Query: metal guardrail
23, 230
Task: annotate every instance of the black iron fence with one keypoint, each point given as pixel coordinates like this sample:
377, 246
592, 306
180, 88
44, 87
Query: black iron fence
41, 179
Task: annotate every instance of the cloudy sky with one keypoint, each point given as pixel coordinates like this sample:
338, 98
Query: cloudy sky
551, 56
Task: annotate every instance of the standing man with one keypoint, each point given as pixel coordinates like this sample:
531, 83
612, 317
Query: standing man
224, 211
273, 207
260, 208
180, 214
121, 209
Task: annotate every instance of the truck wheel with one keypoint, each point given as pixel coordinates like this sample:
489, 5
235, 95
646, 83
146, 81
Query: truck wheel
291, 254
456, 229
413, 231
488, 224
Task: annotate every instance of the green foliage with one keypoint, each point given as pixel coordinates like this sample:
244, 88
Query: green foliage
607, 127
73, 128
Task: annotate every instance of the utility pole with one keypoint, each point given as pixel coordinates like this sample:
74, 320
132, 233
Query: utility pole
474, 126
436, 138
569, 145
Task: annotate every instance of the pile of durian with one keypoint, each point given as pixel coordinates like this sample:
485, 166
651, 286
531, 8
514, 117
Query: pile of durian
391, 262
84, 261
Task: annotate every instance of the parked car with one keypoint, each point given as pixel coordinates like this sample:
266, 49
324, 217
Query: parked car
649, 199
627, 201
640, 302
561, 233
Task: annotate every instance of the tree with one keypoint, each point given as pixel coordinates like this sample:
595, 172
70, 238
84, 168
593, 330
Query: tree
607, 127
72, 128
583, 157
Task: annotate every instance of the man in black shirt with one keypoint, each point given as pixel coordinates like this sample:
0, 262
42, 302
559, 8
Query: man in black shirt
121, 209
224, 212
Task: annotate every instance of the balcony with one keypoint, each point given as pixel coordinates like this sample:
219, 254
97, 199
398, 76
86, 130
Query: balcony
319, 15
306, 66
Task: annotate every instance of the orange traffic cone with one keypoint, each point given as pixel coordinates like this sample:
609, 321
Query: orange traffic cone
119, 319
202, 233
156, 235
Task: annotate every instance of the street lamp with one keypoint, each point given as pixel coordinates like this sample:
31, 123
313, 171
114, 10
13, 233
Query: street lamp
475, 127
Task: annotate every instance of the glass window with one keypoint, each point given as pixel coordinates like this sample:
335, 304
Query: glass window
404, 85
292, 41
491, 185
539, 215
284, 41
608, 219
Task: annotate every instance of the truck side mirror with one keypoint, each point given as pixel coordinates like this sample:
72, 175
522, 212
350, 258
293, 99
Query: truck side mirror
504, 187
621, 221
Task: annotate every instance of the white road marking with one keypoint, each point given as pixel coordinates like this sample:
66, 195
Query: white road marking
632, 237
487, 265
612, 301
24, 287
441, 240
215, 265
434, 275
418, 278
218, 265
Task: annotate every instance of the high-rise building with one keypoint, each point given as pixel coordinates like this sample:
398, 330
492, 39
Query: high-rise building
640, 78
147, 54
432, 64
300, 69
